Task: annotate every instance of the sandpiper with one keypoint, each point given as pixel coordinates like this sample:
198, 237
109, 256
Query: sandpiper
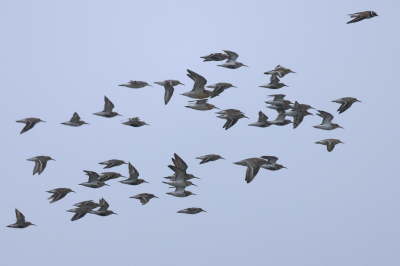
346, 103
179, 180
271, 163
40, 163
107, 111
75, 121
89, 204
297, 108
79, 212
280, 120
112, 163
262, 121
327, 121
187, 177
231, 116
192, 210
109, 175
178, 162
361, 16
144, 197
231, 62
201, 105
215, 57
20, 223
198, 91
298, 112
219, 88
180, 192
102, 211
274, 83
330, 143
253, 166
278, 99
169, 88
93, 181
135, 122
135, 84
133, 177
209, 158
30, 123
279, 71
59, 193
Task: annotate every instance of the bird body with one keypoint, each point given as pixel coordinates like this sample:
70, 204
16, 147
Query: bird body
20, 223
279, 71
361, 16
59, 193
144, 197
219, 88
133, 177
192, 210
112, 163
274, 83
40, 163
346, 103
327, 121
262, 121
135, 84
198, 91
215, 57
75, 121
209, 158
135, 122
107, 111
169, 88
231, 62
93, 181
231, 116
103, 210
29, 123
201, 105
330, 143
109, 175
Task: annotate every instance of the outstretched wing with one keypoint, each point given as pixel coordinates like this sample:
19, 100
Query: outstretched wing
108, 105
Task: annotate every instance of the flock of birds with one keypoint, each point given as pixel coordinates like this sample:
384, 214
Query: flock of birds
180, 179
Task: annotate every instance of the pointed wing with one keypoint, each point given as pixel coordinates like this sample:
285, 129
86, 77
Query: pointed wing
281, 117
278, 97
230, 122
144, 200
20, 217
78, 215
199, 81
133, 173
345, 105
179, 173
262, 117
205, 160
179, 189
75, 118
274, 79
57, 195
327, 117
201, 102
180, 163
103, 205
93, 176
298, 119
108, 105
358, 17
271, 159
232, 57
169, 90
252, 170
29, 125
330, 146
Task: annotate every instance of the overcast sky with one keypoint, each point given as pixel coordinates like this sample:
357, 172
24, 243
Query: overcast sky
337, 208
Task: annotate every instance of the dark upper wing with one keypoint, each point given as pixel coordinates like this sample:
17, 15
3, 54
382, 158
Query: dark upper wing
29, 125
169, 90
20, 217
345, 105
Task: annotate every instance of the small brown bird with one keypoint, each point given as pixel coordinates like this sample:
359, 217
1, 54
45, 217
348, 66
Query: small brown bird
103, 210
215, 57
133, 177
346, 103
29, 123
193, 210
144, 197
330, 143
20, 223
209, 158
59, 193
361, 16
40, 163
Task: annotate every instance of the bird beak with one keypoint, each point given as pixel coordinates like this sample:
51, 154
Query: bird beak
194, 194
146, 182
106, 184
223, 158
149, 85
156, 197
245, 65
204, 211
294, 72
33, 224
359, 101
52, 159
194, 185
115, 213
73, 191
43, 121
216, 108
342, 142
341, 127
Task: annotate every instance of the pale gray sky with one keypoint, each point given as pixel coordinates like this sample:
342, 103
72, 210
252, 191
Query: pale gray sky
338, 208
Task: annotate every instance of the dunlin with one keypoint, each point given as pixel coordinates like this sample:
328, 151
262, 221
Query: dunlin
361, 16
29, 123
274, 83
79, 213
20, 223
330, 143
40, 163
103, 210
109, 175
75, 121
253, 166
262, 121
180, 192
169, 88
112, 163
280, 120
88, 204
209, 158
219, 88
346, 103
59, 193
327, 121
271, 163
193, 210
231, 62
93, 181
179, 180
133, 177
215, 57
144, 197
279, 71
198, 91
135, 122
231, 116
201, 105
107, 111
135, 84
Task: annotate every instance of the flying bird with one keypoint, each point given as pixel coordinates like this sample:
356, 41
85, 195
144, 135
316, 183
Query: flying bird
75, 121
327, 121
198, 91
112, 163
20, 223
40, 163
135, 122
93, 181
209, 158
346, 103
279, 71
193, 210
29, 123
59, 193
361, 16
103, 210
219, 88
144, 197
262, 121
231, 62
330, 143
135, 84
201, 105
274, 83
133, 177
169, 88
215, 57
107, 111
